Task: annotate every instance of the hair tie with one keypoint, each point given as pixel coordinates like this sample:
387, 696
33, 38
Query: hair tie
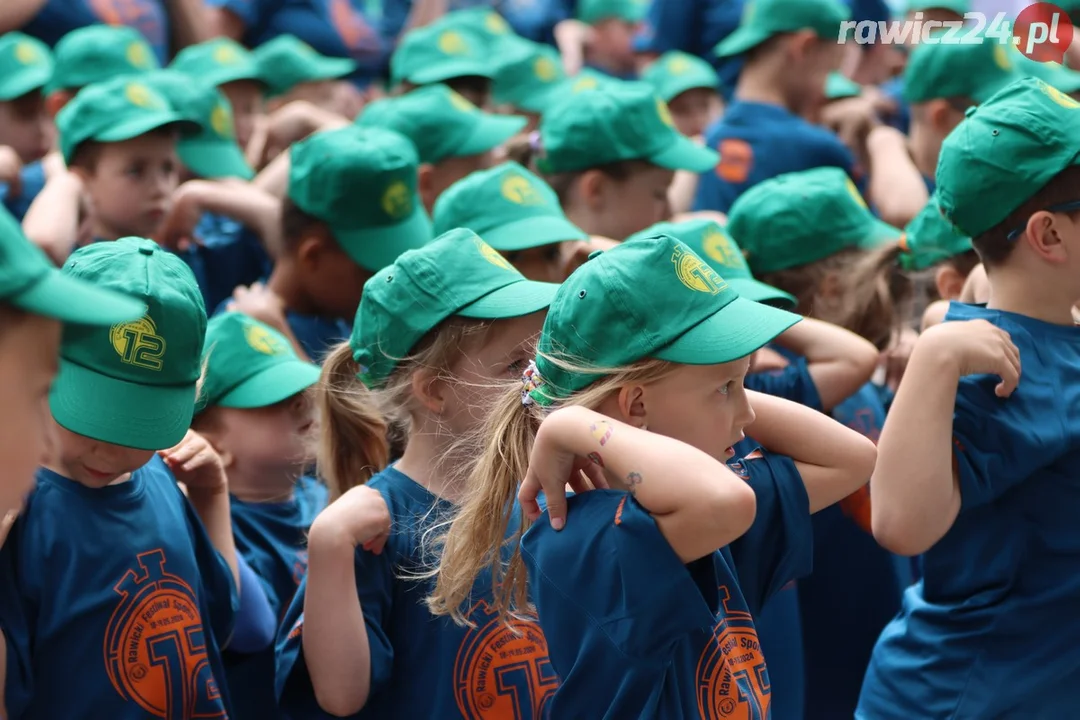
530, 383
536, 143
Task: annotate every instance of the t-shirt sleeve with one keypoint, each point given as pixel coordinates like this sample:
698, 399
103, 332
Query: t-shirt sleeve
255, 621
778, 547
791, 383
250, 12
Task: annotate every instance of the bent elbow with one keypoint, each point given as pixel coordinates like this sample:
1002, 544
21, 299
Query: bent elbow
340, 705
735, 509
895, 534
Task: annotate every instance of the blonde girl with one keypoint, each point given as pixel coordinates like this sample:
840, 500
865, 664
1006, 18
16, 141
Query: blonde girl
645, 591
433, 332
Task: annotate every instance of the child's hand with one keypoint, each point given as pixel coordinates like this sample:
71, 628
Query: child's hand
574, 254
977, 347
196, 464
177, 231
10, 167
360, 516
259, 302
767, 360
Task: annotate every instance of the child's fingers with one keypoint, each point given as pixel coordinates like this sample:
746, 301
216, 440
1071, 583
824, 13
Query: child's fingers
527, 495
376, 544
182, 453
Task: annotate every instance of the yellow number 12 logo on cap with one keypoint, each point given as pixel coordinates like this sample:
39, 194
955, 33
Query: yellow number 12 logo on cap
137, 343
694, 273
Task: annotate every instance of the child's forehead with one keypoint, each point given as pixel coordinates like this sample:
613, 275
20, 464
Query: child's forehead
153, 144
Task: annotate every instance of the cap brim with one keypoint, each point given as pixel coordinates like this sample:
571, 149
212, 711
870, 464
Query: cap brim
441, 72
738, 42
877, 234
144, 417
760, 292
677, 86
332, 69
736, 330
214, 158
35, 78
71, 300
271, 386
685, 154
532, 232
491, 132
147, 123
236, 73
523, 297
533, 101
375, 248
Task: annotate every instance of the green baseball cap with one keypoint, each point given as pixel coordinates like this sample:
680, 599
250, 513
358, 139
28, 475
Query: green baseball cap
484, 22
945, 70
587, 80
362, 183
30, 282
286, 61
26, 64
441, 123
1004, 152
456, 274
250, 365
97, 53
116, 110
530, 76
631, 11
675, 72
651, 297
214, 151
133, 384
929, 239
763, 19
218, 62
508, 206
711, 242
437, 53
799, 218
959, 7
1054, 74
838, 87
627, 121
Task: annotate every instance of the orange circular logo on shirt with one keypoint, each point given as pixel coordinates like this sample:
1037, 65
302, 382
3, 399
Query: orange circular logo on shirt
732, 678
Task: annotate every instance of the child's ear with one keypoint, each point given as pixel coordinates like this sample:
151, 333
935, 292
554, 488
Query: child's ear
801, 44
311, 248
1044, 235
425, 184
630, 406
55, 102
591, 187
949, 282
429, 390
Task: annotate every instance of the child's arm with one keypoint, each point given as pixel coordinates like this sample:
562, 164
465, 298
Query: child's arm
896, 188
240, 201
698, 503
16, 13
915, 485
839, 361
335, 639
196, 464
52, 220
834, 461
682, 191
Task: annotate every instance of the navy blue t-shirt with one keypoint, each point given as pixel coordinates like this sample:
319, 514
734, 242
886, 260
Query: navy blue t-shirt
533, 19
992, 629
228, 254
31, 181
635, 633
757, 142
114, 603
59, 17
424, 666
272, 538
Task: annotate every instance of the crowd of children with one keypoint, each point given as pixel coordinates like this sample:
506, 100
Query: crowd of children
560, 368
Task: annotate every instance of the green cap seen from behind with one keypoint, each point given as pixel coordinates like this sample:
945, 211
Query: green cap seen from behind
26, 65
961, 70
675, 72
930, 239
219, 61
286, 61
530, 76
441, 123
457, 274
799, 218
960, 7
437, 53
508, 206
601, 317
1004, 151
764, 19
625, 121
594, 11
97, 53
250, 365
361, 182
133, 384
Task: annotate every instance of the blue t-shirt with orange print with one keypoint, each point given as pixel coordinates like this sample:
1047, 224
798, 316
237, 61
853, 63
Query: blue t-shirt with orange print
59, 17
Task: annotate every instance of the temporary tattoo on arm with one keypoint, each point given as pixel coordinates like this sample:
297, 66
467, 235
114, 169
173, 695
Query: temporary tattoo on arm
602, 431
632, 481
596, 459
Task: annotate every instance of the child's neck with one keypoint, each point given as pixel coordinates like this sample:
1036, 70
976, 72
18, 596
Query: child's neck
101, 232
923, 152
1011, 291
252, 486
427, 462
284, 283
759, 84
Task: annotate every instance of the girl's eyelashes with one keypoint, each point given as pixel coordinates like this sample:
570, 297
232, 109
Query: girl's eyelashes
725, 388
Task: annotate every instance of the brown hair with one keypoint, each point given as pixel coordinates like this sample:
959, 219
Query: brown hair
86, 155
522, 151
477, 536
876, 294
994, 246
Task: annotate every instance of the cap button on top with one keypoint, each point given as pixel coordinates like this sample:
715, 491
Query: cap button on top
147, 249
971, 111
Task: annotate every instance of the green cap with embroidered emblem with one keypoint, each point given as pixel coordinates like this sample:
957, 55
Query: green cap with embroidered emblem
30, 282
530, 76
587, 80
26, 64
1004, 151
214, 151
508, 206
651, 297
969, 70
441, 123
627, 121
457, 274
484, 22
114, 111
1053, 74
839, 86
362, 183
799, 218
287, 61
133, 384
219, 61
250, 365
763, 19
97, 53
711, 242
437, 53
930, 239
675, 72
593, 11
